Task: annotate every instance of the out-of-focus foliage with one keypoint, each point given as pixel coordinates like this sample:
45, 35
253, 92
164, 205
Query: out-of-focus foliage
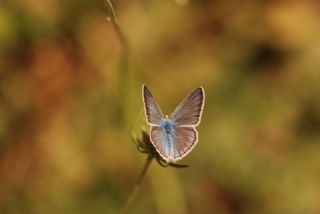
68, 104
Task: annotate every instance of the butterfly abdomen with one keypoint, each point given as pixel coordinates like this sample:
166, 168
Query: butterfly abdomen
168, 129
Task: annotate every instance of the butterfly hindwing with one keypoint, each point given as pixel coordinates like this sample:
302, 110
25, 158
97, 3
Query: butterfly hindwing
189, 112
175, 146
185, 140
159, 141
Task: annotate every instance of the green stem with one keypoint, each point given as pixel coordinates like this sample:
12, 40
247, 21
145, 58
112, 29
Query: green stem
123, 64
137, 186
113, 19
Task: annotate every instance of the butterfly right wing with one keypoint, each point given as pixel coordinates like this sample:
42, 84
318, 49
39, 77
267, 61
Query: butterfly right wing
188, 113
186, 139
152, 109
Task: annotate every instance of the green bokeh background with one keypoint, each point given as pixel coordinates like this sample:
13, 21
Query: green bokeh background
70, 101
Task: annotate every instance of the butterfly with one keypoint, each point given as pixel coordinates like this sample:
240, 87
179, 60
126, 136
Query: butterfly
175, 136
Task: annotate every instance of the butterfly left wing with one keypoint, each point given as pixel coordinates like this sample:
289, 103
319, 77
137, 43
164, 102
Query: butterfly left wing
176, 146
159, 141
152, 109
188, 113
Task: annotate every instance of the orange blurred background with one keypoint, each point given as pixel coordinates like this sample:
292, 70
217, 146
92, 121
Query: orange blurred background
70, 98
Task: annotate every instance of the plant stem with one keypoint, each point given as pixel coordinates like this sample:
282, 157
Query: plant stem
121, 35
123, 64
113, 19
137, 186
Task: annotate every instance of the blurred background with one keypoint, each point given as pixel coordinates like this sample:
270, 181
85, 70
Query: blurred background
70, 102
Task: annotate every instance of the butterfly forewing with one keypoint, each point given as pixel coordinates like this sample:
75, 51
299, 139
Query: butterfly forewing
152, 109
188, 113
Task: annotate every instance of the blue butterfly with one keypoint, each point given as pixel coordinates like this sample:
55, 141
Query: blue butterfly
175, 136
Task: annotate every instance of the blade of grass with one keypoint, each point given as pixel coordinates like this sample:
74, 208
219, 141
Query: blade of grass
135, 191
